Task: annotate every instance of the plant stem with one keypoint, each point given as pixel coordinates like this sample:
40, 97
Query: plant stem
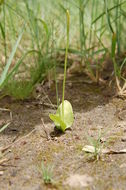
5, 43
65, 64
57, 95
118, 25
108, 17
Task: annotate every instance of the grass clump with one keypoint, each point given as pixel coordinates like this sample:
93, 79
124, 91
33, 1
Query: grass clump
47, 173
95, 150
34, 39
19, 89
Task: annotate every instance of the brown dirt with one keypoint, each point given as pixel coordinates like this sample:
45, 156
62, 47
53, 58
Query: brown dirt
94, 109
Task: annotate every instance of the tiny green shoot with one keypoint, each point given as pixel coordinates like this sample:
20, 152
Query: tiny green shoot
64, 117
47, 173
98, 146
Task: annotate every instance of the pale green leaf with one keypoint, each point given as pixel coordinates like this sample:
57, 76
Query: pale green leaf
68, 113
65, 122
58, 122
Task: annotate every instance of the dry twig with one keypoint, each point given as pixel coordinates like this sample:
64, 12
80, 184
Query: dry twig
44, 128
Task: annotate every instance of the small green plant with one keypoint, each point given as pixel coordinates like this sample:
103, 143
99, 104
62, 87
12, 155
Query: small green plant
64, 117
97, 146
47, 173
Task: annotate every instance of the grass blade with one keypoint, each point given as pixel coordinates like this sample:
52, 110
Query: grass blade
4, 127
4, 74
102, 14
15, 68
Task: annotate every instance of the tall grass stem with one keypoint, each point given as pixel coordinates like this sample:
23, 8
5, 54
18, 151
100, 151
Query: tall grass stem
65, 64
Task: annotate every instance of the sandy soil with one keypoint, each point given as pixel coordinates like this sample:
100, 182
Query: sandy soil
94, 108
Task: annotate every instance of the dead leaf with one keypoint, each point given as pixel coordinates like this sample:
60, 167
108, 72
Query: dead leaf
91, 149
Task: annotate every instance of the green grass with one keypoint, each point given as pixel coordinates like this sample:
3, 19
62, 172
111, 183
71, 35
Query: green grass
93, 23
98, 146
47, 173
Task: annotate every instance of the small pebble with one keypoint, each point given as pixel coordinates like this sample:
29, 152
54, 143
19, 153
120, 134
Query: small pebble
124, 130
123, 139
1, 173
55, 138
102, 140
70, 84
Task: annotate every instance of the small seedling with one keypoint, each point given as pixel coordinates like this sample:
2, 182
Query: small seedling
97, 146
64, 117
47, 173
